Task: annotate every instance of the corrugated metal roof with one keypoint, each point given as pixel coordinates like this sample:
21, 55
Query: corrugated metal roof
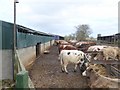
31, 31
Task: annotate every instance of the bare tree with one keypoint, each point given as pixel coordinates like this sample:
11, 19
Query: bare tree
83, 32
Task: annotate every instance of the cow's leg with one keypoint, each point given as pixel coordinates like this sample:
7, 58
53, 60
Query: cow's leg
62, 65
106, 58
75, 69
65, 68
62, 68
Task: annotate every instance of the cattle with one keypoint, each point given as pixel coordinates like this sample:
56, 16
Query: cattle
109, 53
83, 66
71, 56
66, 47
84, 45
99, 78
99, 69
63, 42
96, 48
59, 42
56, 42
72, 42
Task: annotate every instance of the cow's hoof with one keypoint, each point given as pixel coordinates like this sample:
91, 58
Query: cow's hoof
66, 72
62, 70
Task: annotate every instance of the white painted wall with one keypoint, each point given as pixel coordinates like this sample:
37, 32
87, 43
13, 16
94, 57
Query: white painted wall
42, 48
46, 46
6, 61
27, 55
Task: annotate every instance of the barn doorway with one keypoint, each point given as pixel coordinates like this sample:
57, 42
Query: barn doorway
38, 49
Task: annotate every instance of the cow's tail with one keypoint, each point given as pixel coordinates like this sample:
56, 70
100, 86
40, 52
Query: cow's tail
61, 61
59, 57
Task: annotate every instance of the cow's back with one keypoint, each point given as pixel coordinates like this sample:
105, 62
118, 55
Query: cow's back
70, 55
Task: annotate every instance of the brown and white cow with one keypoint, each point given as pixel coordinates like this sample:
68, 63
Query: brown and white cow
66, 47
84, 45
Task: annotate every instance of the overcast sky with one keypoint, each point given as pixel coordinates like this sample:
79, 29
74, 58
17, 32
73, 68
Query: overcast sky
61, 16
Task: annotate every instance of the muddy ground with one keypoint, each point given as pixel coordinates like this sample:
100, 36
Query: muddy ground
46, 73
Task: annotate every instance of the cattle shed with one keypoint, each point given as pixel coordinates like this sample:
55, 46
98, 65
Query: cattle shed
58, 37
111, 39
29, 44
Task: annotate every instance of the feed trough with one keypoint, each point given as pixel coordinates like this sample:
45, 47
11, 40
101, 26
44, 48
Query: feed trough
46, 52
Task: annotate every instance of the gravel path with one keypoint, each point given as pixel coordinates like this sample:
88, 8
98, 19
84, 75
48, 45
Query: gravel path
46, 73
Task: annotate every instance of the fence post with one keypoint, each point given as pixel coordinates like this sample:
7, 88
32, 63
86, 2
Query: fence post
108, 67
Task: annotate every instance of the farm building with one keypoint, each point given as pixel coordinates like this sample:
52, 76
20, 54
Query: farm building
57, 37
111, 39
29, 44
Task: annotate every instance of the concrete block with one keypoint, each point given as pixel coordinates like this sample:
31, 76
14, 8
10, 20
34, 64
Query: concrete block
22, 80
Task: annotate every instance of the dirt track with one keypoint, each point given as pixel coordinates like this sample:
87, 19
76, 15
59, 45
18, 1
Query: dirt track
46, 73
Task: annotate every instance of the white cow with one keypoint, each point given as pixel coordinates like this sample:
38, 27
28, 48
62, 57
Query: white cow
111, 53
71, 56
95, 48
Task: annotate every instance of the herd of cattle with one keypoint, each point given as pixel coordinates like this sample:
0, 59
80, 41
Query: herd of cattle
76, 53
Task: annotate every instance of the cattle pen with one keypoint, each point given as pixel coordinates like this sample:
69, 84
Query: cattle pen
113, 66
36, 63
30, 47
46, 73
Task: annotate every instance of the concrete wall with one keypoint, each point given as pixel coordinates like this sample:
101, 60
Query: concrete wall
46, 46
28, 55
7, 69
42, 48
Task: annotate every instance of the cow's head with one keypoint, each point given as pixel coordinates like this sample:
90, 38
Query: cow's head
87, 72
90, 70
84, 64
83, 60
